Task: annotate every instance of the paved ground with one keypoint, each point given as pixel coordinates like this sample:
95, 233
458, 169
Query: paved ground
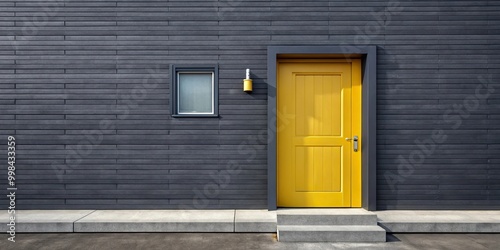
183, 241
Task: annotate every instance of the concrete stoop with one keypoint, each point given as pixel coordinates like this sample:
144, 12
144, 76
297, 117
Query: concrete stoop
328, 225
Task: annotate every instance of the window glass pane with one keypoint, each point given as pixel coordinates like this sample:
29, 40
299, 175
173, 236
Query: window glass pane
195, 93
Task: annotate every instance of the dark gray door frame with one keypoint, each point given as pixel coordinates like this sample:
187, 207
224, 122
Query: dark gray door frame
368, 55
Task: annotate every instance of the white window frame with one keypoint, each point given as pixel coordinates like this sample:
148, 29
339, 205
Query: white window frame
179, 92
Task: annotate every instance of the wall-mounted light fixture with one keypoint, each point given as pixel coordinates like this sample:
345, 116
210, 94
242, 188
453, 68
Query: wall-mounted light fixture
247, 83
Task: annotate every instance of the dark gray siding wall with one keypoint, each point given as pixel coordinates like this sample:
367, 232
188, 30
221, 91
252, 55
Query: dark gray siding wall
85, 91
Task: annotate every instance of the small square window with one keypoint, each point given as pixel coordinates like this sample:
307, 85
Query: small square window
194, 91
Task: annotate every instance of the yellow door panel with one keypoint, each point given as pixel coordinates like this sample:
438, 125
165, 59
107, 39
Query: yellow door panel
314, 158
315, 170
312, 95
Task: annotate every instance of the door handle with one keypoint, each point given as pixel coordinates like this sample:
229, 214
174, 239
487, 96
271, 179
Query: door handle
355, 142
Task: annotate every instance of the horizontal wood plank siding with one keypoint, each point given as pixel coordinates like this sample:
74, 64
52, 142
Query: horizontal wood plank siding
85, 88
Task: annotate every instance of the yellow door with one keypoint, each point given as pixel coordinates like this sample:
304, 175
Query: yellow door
317, 163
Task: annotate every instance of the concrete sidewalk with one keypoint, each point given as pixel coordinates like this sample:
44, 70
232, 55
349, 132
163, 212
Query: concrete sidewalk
439, 221
67, 221
251, 221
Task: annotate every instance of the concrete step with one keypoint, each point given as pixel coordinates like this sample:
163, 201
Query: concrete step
326, 217
291, 233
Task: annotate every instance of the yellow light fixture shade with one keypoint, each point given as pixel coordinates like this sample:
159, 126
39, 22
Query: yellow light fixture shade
247, 85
